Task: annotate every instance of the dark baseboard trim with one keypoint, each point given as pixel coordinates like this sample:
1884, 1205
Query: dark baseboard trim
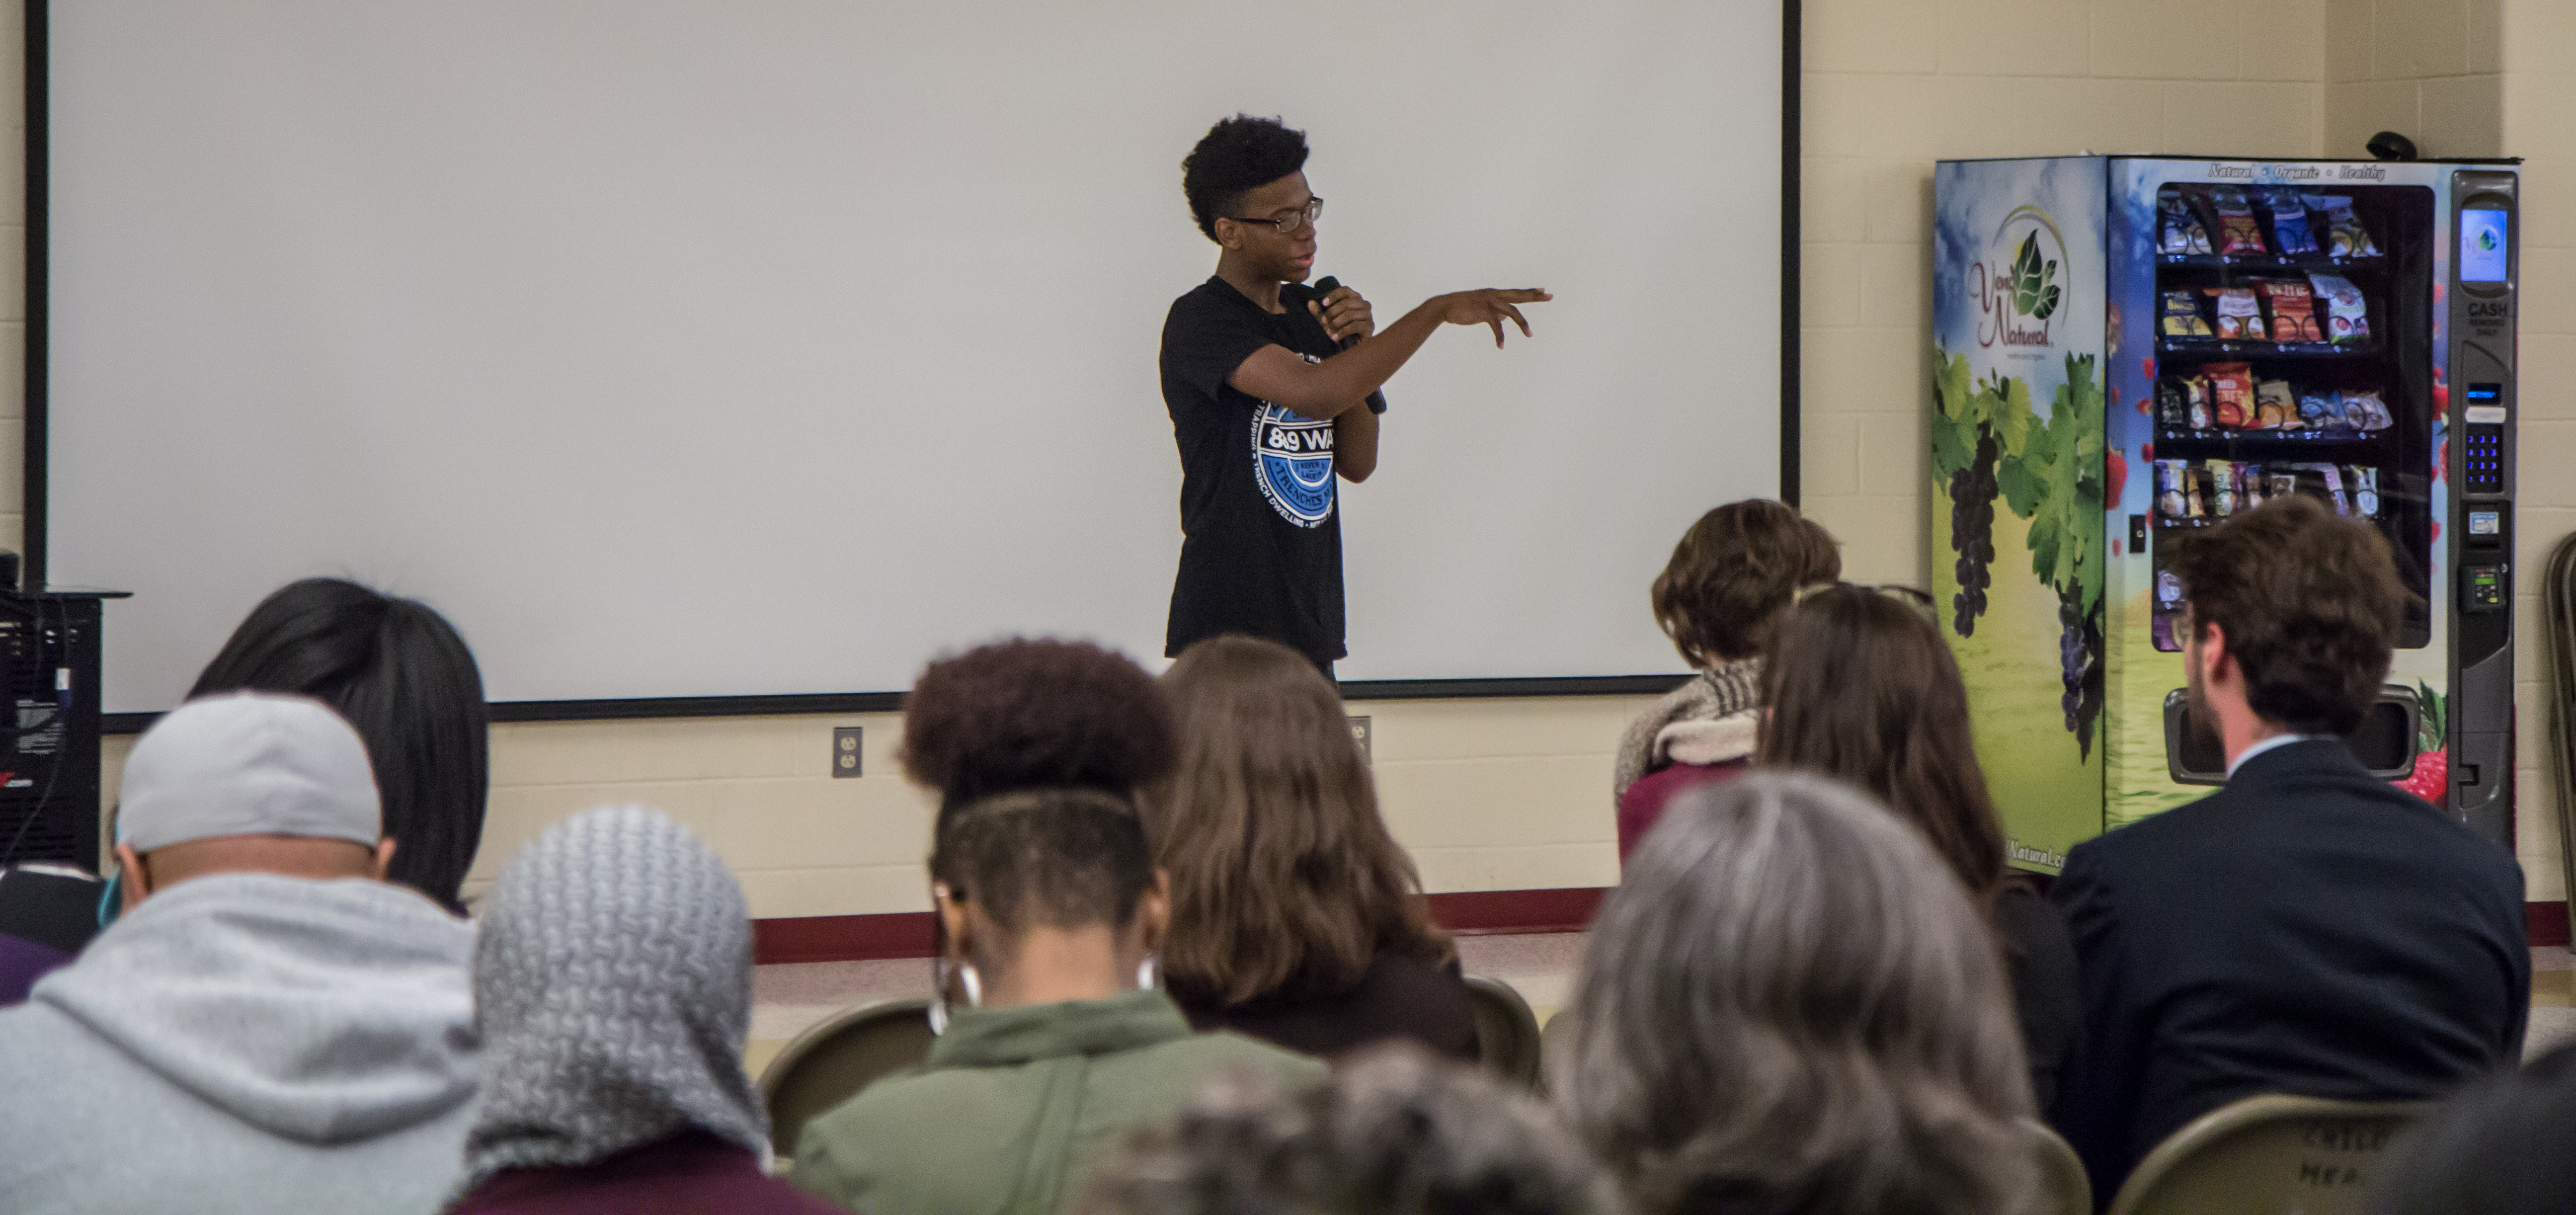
906, 934
2545, 923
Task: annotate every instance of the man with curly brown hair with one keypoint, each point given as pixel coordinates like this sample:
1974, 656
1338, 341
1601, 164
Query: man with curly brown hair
1273, 391
2309, 928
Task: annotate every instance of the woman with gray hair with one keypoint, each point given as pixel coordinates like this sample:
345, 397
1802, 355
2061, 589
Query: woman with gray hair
1398, 1131
612, 985
1789, 1006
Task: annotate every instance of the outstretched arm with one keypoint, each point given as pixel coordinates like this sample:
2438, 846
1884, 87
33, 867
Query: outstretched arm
1339, 384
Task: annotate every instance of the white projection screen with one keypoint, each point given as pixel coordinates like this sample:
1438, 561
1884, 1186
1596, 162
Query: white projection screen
767, 348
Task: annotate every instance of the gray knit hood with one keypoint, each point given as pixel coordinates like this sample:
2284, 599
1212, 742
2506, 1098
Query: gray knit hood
612, 984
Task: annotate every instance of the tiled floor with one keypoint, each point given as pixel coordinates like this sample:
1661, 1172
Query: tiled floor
788, 999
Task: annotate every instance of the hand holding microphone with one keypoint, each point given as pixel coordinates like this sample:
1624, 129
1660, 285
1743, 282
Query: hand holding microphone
1345, 315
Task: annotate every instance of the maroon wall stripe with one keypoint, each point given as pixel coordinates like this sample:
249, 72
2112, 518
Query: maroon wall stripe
860, 938
2545, 922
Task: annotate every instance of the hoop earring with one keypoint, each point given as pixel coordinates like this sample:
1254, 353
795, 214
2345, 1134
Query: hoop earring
940, 971
1149, 973
972, 982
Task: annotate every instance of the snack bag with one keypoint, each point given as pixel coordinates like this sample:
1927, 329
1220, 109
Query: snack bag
2237, 231
2293, 309
2290, 234
2240, 317
2169, 489
2282, 482
2345, 237
2182, 318
2366, 411
2222, 487
2173, 406
2275, 406
2178, 226
2332, 479
2196, 397
2365, 490
2231, 390
2249, 486
2195, 503
2347, 313
2320, 409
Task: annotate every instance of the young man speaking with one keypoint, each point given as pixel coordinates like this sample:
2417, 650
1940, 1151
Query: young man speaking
1272, 386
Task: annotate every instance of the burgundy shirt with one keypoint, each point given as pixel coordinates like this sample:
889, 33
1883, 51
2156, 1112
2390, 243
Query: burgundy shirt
691, 1173
1642, 806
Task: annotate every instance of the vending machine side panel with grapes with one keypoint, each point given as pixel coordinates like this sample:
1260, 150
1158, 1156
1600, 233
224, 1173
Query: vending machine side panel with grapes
2018, 473
2265, 328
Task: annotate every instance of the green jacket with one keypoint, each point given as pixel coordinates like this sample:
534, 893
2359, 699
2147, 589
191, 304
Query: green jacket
1015, 1105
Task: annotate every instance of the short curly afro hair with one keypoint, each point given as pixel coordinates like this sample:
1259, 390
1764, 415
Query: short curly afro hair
1237, 155
1036, 714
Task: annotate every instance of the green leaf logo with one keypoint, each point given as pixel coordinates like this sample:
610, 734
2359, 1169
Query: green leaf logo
2034, 281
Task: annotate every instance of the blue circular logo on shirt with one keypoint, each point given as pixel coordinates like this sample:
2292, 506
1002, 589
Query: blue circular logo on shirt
1292, 461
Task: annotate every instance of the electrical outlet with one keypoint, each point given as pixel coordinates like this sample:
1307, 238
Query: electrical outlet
845, 750
1360, 735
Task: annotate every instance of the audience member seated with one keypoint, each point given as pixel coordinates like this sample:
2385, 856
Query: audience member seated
1790, 1006
399, 673
1733, 574
1295, 917
1862, 688
270, 1026
2505, 1146
1052, 909
612, 983
1396, 1132
47, 913
2309, 928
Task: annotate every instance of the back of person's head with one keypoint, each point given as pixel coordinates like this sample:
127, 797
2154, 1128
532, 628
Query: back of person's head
1862, 689
399, 673
1041, 858
612, 986
1394, 1132
1789, 1005
2506, 1146
2309, 604
1044, 714
1732, 575
248, 782
1283, 874
1236, 156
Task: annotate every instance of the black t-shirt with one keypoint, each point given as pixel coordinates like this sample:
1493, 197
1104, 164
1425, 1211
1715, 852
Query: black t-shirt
1262, 536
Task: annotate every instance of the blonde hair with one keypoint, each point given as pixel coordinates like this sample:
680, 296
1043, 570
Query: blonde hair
1789, 1005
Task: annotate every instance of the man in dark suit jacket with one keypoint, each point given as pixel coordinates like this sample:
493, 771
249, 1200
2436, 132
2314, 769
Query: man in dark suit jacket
2308, 928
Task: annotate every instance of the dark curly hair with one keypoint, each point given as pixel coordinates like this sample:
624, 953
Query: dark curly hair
1237, 155
2309, 604
1036, 714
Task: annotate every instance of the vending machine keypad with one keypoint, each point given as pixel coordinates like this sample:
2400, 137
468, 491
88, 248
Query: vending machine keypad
2482, 461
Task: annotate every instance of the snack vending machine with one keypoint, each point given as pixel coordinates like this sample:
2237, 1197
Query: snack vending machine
2129, 348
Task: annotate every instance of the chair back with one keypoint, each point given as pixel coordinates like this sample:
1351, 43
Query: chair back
1507, 1041
2064, 1189
2271, 1153
831, 1062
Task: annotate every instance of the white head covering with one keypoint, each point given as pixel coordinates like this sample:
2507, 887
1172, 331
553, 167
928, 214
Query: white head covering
612, 985
248, 763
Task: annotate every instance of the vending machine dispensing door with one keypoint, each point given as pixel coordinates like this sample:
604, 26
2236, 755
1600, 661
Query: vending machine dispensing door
2484, 258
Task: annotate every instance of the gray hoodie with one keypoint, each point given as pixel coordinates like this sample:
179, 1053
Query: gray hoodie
245, 1042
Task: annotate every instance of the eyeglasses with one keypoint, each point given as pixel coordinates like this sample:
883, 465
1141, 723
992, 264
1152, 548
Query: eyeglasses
1313, 211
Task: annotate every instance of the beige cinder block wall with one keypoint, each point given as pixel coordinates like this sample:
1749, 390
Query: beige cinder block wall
1506, 794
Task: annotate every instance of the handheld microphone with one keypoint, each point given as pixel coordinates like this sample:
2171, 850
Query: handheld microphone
1326, 286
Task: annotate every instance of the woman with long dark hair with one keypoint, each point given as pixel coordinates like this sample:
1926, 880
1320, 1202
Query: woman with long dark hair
398, 671
1862, 689
1296, 918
